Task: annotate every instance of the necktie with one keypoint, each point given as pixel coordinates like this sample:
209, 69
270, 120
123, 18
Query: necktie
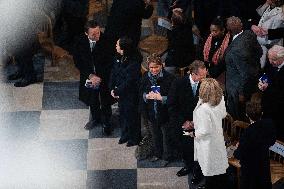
194, 88
92, 46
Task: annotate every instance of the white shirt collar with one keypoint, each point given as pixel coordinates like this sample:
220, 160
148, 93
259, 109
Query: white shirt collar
280, 66
235, 36
191, 80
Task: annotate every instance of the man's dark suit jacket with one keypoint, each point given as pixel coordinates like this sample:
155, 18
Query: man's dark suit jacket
273, 100
253, 153
181, 101
242, 68
85, 61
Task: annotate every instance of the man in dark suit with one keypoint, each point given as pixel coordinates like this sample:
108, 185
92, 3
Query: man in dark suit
182, 99
242, 67
273, 90
92, 61
125, 19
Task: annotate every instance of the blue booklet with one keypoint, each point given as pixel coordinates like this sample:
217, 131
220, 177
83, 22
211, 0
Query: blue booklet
264, 78
155, 89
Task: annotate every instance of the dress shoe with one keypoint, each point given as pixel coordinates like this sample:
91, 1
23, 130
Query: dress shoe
14, 76
24, 83
90, 125
122, 140
129, 144
202, 186
154, 158
107, 129
196, 180
184, 171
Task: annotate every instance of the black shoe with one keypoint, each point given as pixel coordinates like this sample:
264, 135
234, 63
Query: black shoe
164, 163
122, 141
14, 76
201, 186
184, 171
24, 83
196, 179
129, 144
107, 129
90, 125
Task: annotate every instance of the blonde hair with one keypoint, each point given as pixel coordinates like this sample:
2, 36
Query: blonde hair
210, 91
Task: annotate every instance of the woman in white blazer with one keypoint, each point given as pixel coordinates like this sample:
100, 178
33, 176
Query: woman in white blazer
209, 145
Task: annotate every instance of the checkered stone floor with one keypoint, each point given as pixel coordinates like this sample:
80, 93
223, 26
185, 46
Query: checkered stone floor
43, 145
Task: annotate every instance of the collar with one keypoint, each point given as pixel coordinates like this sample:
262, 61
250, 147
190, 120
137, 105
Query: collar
191, 80
235, 36
280, 66
160, 74
91, 41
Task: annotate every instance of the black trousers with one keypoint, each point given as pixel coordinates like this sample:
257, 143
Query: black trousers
100, 109
162, 137
25, 65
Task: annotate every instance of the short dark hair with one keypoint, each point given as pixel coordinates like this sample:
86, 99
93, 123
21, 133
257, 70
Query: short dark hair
219, 23
195, 65
254, 108
127, 45
90, 24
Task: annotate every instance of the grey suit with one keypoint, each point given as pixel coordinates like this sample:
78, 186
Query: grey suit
242, 71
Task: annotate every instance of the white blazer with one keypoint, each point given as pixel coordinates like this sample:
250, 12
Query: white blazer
209, 144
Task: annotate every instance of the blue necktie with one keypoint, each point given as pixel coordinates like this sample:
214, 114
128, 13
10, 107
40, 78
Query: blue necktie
194, 88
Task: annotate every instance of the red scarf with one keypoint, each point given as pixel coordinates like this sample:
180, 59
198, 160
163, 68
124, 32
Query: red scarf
219, 52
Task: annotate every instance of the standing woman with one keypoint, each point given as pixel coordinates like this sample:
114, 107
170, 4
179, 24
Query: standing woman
214, 48
209, 145
124, 85
154, 89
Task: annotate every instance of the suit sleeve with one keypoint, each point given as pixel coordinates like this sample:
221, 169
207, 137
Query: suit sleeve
173, 104
275, 33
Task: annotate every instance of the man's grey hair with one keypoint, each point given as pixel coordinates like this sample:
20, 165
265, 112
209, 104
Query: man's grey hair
278, 50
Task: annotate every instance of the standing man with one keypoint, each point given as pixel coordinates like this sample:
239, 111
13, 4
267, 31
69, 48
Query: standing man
125, 19
242, 67
94, 66
273, 90
182, 99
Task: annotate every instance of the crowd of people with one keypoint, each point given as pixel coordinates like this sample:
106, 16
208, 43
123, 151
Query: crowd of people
235, 68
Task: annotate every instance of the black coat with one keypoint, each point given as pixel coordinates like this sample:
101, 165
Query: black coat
181, 101
275, 33
125, 76
125, 19
148, 108
181, 51
85, 61
273, 100
253, 153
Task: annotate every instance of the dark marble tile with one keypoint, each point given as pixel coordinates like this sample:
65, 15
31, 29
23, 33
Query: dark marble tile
22, 125
157, 164
61, 95
69, 154
115, 178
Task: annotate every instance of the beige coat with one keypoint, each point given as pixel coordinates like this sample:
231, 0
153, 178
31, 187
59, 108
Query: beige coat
209, 145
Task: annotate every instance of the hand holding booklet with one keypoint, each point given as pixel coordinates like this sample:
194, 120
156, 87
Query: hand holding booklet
89, 85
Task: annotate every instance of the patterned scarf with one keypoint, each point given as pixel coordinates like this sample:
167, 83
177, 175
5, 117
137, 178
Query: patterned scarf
153, 79
220, 51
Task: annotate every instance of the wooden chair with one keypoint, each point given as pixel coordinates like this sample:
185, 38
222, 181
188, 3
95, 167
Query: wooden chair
157, 42
237, 128
45, 38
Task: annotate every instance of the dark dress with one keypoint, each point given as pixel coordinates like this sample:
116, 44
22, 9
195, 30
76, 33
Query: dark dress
253, 153
94, 62
157, 113
125, 78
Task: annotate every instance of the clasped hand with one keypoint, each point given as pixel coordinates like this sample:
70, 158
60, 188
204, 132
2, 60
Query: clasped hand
95, 79
154, 96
